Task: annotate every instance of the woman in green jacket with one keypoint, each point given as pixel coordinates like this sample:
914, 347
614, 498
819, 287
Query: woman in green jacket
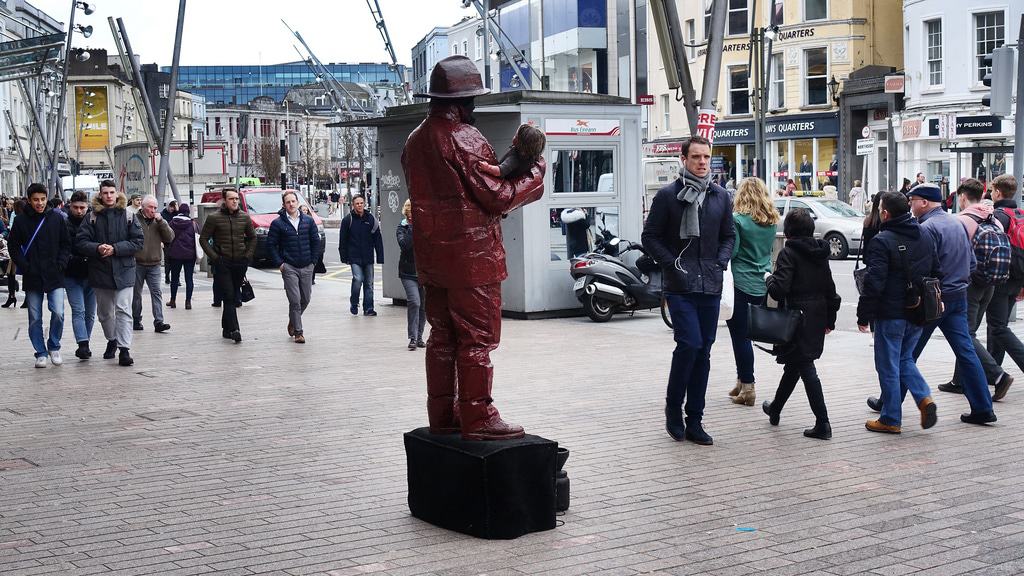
755, 218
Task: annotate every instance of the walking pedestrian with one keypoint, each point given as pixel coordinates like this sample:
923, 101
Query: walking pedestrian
416, 315
15, 206
134, 204
1002, 340
690, 233
992, 252
181, 254
76, 280
901, 250
157, 233
234, 243
755, 219
109, 237
168, 213
41, 247
803, 281
358, 240
293, 244
858, 197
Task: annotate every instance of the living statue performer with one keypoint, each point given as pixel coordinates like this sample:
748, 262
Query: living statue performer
460, 258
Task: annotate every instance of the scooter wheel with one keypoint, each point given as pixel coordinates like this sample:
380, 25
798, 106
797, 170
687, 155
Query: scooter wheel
666, 316
597, 308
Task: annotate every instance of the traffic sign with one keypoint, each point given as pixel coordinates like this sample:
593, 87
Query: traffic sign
865, 146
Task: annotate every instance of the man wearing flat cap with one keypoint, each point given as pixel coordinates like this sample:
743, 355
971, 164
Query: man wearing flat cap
460, 258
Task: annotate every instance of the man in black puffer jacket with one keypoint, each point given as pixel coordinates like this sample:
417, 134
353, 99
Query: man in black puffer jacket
900, 244
76, 280
689, 231
294, 246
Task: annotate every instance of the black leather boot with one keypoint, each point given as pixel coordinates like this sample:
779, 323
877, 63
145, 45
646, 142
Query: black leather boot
111, 350
83, 352
821, 431
125, 359
674, 423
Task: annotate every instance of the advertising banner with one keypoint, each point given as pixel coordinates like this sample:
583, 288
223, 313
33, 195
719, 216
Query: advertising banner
91, 121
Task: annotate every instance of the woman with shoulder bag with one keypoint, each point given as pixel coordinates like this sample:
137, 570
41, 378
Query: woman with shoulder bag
415, 314
755, 220
803, 281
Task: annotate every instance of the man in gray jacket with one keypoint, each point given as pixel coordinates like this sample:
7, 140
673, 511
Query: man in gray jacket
157, 232
110, 237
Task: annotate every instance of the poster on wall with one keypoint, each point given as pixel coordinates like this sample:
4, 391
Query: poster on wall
91, 122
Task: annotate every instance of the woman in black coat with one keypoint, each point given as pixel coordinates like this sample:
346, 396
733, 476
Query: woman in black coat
803, 281
416, 316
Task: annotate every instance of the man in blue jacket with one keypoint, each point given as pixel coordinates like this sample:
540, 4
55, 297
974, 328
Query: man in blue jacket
294, 246
689, 231
358, 240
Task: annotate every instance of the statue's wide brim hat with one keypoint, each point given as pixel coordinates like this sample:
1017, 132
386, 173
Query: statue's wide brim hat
455, 77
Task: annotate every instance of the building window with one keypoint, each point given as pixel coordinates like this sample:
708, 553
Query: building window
815, 9
933, 33
739, 100
465, 48
778, 12
455, 49
666, 117
163, 118
778, 86
707, 23
737, 17
989, 34
216, 126
478, 47
816, 76
164, 90
691, 38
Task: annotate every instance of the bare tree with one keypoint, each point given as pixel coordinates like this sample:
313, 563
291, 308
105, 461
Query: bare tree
268, 158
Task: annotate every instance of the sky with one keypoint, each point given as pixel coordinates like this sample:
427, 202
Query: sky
221, 32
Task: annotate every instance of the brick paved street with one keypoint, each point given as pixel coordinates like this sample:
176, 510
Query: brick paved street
274, 458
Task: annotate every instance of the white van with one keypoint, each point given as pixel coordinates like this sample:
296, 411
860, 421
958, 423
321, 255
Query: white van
88, 183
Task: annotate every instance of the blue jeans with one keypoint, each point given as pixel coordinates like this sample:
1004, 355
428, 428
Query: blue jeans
695, 324
896, 367
742, 348
362, 275
953, 325
55, 302
83, 307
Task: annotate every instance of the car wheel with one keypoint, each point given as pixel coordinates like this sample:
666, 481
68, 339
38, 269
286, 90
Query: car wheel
838, 247
598, 309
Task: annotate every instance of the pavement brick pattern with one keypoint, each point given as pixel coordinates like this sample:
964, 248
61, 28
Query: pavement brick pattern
275, 458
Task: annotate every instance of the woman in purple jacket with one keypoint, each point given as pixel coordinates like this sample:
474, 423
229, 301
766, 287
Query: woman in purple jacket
181, 254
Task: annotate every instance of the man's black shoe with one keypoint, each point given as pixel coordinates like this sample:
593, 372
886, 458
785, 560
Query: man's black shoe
238, 304
215, 304
236, 336
138, 327
875, 403
162, 327
226, 334
369, 313
111, 350
674, 423
83, 352
695, 433
978, 418
1002, 387
951, 387
125, 359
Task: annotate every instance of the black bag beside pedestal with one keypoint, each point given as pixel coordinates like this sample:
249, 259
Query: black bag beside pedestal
493, 490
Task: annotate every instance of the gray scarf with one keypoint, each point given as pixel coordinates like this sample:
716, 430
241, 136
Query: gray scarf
692, 196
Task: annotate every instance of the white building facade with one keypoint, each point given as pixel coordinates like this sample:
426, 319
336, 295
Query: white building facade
944, 130
427, 52
467, 39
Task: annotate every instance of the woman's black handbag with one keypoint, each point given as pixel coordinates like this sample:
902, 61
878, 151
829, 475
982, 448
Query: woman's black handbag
772, 325
859, 273
246, 290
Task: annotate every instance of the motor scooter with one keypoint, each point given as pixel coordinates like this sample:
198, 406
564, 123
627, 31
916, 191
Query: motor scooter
607, 284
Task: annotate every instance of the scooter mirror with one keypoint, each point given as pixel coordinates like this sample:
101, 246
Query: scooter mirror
614, 241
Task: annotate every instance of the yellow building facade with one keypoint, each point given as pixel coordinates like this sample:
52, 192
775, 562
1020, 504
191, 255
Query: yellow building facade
815, 41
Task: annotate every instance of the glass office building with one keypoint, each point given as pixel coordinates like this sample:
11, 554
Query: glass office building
240, 84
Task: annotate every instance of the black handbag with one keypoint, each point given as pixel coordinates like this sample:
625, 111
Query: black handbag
859, 273
776, 326
246, 290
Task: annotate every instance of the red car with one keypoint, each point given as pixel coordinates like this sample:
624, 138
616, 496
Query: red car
263, 204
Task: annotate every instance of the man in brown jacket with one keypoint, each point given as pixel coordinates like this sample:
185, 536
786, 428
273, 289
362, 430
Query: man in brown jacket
147, 263
234, 243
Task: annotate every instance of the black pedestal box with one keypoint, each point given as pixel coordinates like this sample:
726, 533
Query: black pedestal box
494, 490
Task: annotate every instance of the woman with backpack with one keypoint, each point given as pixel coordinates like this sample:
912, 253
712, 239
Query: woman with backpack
803, 281
754, 218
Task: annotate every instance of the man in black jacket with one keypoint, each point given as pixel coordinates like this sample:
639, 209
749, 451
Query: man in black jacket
41, 247
76, 280
359, 240
689, 231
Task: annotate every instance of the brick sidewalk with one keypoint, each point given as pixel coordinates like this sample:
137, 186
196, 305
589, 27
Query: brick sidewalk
274, 458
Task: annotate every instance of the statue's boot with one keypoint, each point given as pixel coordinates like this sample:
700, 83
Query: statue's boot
480, 419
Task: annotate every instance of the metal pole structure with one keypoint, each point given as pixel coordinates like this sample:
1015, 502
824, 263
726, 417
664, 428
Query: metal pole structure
191, 169
136, 94
678, 53
154, 128
165, 146
1018, 118
707, 115
284, 164
36, 121
17, 144
54, 177
487, 45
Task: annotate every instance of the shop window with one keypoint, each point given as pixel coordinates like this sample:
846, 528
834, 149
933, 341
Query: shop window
737, 20
816, 76
583, 171
827, 165
815, 9
576, 230
933, 34
989, 34
748, 166
778, 87
723, 166
739, 100
803, 173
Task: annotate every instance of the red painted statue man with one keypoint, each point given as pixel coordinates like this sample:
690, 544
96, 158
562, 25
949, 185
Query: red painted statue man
460, 258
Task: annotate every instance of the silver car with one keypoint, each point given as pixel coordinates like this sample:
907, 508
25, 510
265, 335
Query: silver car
835, 221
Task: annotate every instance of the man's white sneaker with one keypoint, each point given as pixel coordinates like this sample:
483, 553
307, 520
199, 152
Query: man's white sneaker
55, 358
40, 361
